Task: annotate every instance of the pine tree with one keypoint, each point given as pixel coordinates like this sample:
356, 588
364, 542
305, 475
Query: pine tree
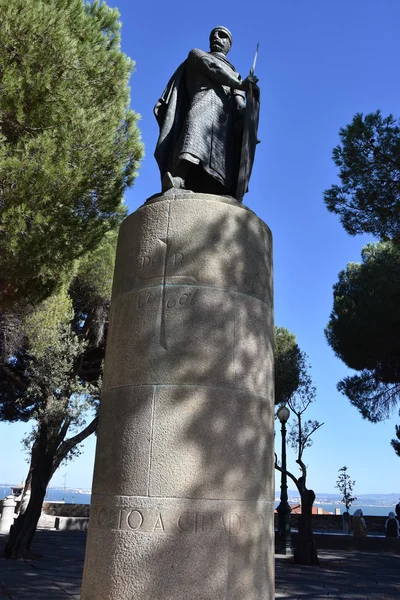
364, 323
69, 144
368, 157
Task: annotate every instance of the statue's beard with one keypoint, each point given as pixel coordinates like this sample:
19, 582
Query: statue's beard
216, 47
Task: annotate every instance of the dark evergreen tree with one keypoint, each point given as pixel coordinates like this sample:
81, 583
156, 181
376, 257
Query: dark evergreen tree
364, 325
363, 330
368, 199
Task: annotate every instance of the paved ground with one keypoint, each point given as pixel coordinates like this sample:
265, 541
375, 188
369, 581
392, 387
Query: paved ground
56, 576
340, 576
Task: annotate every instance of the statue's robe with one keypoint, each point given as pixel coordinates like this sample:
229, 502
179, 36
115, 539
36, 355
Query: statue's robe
198, 114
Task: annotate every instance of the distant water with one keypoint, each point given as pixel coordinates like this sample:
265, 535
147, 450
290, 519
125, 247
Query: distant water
368, 510
371, 510
71, 496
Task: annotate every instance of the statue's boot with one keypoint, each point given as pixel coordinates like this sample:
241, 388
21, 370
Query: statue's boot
169, 182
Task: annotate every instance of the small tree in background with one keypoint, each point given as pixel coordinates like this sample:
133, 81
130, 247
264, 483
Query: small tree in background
294, 387
345, 486
299, 437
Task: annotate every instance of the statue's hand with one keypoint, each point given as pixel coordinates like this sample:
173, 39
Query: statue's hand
250, 80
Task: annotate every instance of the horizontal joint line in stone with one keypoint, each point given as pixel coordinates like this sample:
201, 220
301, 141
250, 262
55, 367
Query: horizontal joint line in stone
163, 498
183, 385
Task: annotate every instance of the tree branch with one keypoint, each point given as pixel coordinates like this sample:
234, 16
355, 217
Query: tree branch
303, 468
66, 446
288, 473
307, 437
63, 430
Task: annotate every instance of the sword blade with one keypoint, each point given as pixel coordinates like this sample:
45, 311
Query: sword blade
253, 68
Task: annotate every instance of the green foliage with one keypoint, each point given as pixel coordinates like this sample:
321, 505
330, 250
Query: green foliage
69, 145
363, 329
53, 377
396, 442
94, 277
90, 291
345, 486
369, 161
41, 380
45, 326
287, 365
54, 374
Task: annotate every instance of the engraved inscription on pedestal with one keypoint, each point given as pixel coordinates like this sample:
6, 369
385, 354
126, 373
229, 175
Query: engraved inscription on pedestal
145, 520
150, 266
177, 299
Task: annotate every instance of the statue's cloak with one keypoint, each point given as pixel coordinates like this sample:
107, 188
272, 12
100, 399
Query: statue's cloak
170, 112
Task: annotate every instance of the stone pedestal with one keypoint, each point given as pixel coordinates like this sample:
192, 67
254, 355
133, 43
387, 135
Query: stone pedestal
182, 504
7, 515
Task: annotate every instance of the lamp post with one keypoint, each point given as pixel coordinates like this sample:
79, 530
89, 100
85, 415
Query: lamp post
284, 509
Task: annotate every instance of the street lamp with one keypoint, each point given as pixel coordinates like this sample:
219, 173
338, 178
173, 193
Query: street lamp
284, 509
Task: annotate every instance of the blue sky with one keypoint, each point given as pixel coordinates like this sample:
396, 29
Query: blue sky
319, 63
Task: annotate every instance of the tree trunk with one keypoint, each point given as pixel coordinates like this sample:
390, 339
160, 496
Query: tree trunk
24, 529
46, 458
305, 552
26, 492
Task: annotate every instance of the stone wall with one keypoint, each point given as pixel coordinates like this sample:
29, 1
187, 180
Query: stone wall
58, 509
333, 523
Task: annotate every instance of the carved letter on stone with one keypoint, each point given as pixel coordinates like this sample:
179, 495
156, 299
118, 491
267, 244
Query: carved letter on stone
186, 522
135, 519
159, 525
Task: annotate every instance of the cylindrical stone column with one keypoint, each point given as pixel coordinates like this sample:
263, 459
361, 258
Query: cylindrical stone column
7, 514
182, 503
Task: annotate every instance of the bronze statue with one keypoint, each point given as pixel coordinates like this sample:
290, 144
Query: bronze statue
208, 120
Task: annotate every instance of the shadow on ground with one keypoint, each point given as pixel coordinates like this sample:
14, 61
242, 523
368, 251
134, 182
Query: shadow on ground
340, 576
